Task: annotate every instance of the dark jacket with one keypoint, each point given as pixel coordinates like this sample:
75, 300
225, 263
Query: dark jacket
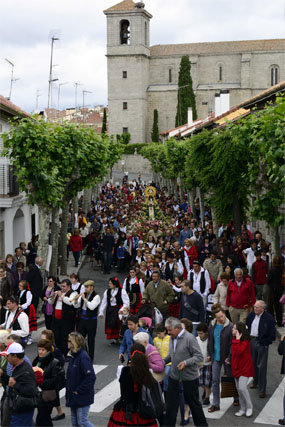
81, 379
53, 375
35, 281
281, 351
25, 381
7, 287
17, 278
274, 282
266, 328
192, 307
225, 340
55, 288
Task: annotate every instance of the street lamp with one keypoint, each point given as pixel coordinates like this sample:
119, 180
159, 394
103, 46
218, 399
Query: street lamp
83, 95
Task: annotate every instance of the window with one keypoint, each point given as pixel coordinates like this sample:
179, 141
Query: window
169, 75
220, 73
125, 105
125, 74
125, 32
125, 130
274, 75
145, 33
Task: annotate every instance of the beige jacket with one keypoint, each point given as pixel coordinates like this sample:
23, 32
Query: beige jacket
220, 295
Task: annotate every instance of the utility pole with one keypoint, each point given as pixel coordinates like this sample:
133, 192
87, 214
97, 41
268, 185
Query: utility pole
51, 80
83, 94
38, 94
76, 84
12, 77
58, 93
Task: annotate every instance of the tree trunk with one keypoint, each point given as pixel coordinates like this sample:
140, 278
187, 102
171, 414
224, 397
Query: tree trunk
54, 241
237, 216
86, 200
190, 196
74, 209
181, 192
63, 239
275, 240
44, 220
202, 207
215, 225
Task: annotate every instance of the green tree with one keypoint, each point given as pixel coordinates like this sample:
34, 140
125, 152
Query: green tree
53, 162
155, 131
264, 132
104, 123
185, 94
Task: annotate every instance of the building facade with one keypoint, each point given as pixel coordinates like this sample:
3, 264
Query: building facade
18, 219
142, 78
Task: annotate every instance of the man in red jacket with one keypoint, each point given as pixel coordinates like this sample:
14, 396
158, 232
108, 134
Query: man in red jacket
240, 297
259, 273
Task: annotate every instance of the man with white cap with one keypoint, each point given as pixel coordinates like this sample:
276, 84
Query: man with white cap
22, 387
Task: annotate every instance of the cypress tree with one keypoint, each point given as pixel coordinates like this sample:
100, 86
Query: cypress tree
104, 123
185, 95
155, 131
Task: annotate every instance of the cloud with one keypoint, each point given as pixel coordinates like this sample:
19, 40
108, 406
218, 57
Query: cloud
26, 28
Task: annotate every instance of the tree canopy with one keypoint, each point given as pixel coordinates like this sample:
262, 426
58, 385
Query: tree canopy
185, 93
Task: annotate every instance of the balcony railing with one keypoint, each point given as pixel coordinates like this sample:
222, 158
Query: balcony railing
8, 182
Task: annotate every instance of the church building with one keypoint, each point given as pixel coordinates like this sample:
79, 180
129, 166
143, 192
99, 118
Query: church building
142, 78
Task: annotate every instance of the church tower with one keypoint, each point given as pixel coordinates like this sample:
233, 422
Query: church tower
128, 57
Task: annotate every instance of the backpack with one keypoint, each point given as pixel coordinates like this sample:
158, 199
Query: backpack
151, 403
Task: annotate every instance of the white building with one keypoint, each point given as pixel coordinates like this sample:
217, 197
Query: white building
18, 220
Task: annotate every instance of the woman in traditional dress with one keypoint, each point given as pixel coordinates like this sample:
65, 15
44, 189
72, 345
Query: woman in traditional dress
134, 286
132, 378
190, 251
115, 299
25, 302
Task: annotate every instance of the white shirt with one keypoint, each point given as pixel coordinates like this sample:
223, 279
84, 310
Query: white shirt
254, 326
132, 281
250, 257
29, 298
175, 339
125, 298
63, 298
196, 281
75, 287
88, 304
23, 321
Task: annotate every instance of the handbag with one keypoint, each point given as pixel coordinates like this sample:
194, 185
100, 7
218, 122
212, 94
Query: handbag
18, 403
158, 318
151, 402
48, 395
228, 387
159, 376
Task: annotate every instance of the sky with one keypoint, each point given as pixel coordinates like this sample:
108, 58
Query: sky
79, 56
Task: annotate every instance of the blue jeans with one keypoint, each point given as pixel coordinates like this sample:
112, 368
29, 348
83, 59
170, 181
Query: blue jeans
25, 419
165, 381
79, 417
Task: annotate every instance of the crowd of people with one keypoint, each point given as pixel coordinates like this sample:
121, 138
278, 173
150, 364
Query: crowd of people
192, 309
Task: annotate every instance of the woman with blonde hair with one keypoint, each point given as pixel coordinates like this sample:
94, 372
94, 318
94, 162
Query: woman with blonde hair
80, 381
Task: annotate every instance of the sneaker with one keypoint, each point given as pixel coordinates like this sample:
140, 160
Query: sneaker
248, 412
240, 413
206, 402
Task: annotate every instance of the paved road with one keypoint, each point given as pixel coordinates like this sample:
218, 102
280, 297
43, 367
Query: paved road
266, 411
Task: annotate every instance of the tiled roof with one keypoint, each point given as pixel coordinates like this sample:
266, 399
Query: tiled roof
265, 93
8, 105
218, 47
125, 5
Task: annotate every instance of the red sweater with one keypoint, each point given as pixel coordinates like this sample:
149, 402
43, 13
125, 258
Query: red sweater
259, 272
242, 364
192, 254
75, 243
238, 297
